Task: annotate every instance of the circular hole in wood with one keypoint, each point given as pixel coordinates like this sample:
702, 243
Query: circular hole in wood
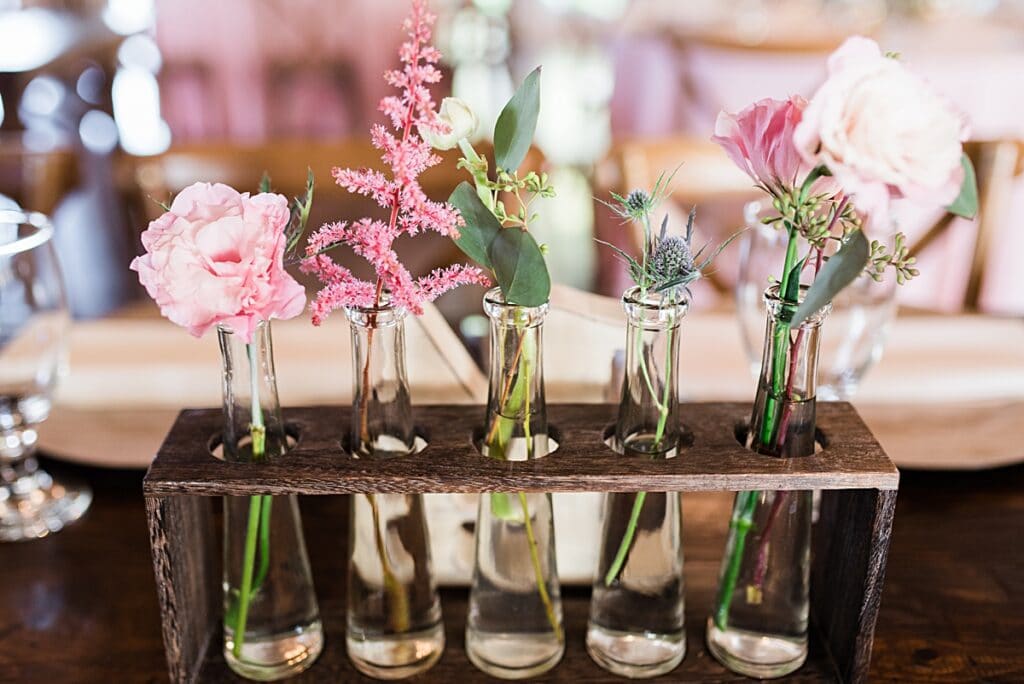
611, 440
741, 430
518, 450
389, 447
292, 435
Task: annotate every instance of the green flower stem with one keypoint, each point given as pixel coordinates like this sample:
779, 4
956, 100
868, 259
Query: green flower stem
627, 540
244, 598
398, 608
478, 169
538, 571
742, 520
746, 502
264, 566
516, 396
258, 525
779, 341
638, 503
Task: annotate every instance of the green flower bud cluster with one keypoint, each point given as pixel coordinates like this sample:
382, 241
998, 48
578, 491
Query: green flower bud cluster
899, 259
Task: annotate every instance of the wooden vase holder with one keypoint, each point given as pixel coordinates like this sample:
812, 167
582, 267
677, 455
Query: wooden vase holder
851, 537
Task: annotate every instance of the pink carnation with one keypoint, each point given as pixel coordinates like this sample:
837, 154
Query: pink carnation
759, 140
216, 258
882, 131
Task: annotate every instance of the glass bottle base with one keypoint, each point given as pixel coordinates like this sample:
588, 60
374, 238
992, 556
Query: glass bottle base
33, 504
276, 657
755, 654
513, 656
636, 655
396, 656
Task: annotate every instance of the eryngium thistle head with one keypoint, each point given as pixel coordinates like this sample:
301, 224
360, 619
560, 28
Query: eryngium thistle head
671, 260
636, 205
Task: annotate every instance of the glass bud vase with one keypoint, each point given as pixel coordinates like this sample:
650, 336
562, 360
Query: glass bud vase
514, 625
759, 620
636, 626
271, 620
394, 627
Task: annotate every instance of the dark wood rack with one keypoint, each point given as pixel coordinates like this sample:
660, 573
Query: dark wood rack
850, 545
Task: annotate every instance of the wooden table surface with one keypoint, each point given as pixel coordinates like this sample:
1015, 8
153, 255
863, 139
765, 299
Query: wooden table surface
81, 606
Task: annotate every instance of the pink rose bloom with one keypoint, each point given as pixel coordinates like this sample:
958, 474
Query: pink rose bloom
882, 132
216, 258
759, 140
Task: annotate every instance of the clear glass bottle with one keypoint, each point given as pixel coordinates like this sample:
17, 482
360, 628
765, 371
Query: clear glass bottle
514, 625
758, 626
272, 624
394, 626
636, 626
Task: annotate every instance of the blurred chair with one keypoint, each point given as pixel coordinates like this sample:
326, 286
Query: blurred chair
704, 176
36, 180
999, 165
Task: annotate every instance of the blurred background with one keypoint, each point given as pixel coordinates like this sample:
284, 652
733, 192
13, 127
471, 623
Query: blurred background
110, 105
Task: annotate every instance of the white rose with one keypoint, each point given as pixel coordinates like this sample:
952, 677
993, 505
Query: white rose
460, 120
882, 131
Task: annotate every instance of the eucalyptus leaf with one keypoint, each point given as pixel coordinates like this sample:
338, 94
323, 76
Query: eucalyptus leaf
265, 182
840, 270
513, 132
519, 268
481, 227
966, 203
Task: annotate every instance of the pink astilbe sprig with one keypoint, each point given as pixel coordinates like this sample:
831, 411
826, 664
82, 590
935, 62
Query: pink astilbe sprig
407, 156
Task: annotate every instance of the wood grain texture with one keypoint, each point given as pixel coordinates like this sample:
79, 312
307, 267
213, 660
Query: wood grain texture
182, 542
81, 606
714, 460
851, 545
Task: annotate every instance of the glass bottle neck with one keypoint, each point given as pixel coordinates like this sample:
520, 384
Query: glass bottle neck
253, 427
382, 423
783, 418
516, 427
648, 421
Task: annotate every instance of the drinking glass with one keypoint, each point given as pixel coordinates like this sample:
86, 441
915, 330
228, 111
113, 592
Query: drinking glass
857, 328
34, 324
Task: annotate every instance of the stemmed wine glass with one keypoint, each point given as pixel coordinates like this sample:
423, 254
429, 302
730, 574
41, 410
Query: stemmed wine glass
34, 324
852, 340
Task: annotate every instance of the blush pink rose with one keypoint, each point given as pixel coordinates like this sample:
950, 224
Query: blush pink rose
759, 140
882, 132
216, 258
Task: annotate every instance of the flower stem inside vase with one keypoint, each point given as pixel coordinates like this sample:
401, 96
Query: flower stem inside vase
636, 626
271, 620
514, 626
656, 446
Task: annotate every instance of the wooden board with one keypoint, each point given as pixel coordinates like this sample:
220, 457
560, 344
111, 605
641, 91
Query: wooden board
714, 461
839, 618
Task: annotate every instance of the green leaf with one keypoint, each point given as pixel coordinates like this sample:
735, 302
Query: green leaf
163, 205
265, 182
792, 293
481, 227
300, 214
840, 270
513, 132
519, 268
966, 203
